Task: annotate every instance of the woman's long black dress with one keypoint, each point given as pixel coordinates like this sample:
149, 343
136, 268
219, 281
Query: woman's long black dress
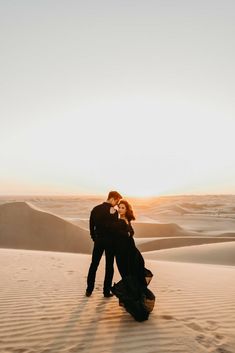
132, 290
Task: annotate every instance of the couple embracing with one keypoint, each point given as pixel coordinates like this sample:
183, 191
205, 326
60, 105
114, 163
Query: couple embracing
112, 233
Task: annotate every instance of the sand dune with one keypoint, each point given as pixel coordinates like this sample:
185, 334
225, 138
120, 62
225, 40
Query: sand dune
200, 213
82, 223
143, 229
177, 242
226, 235
221, 253
43, 308
146, 229
23, 227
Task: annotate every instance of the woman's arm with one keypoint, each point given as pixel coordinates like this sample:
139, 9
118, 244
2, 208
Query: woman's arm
131, 230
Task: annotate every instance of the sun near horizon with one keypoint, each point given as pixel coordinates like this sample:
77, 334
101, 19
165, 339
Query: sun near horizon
159, 157
142, 101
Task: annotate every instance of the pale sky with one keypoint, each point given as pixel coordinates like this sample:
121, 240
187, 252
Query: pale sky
136, 96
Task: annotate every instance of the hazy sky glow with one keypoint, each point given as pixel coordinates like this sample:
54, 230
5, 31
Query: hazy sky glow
132, 95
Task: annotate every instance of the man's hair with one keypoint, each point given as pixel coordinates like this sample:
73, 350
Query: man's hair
115, 195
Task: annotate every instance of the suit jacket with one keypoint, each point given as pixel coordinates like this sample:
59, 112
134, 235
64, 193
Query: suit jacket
103, 219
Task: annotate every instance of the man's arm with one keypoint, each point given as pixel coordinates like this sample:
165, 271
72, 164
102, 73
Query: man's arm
92, 226
113, 223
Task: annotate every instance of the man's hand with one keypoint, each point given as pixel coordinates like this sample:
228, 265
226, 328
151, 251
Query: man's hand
112, 210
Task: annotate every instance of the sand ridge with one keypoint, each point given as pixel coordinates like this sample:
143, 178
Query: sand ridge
24, 227
177, 242
217, 254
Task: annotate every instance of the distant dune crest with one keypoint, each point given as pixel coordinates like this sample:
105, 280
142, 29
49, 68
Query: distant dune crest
167, 228
23, 227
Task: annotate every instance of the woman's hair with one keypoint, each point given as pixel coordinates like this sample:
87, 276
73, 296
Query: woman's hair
129, 212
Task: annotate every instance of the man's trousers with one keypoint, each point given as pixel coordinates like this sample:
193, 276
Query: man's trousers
101, 245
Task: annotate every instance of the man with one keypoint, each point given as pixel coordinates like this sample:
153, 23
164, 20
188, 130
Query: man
102, 218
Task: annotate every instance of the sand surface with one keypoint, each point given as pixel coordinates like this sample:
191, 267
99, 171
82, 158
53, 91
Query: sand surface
187, 242
43, 308
220, 253
176, 242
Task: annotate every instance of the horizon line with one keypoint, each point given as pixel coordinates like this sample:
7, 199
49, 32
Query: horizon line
105, 195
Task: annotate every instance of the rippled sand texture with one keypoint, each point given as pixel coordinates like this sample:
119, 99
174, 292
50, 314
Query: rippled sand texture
187, 242
43, 308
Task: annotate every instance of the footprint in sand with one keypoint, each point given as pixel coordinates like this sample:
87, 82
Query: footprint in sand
219, 336
174, 290
190, 318
211, 325
221, 350
204, 341
167, 317
208, 337
195, 327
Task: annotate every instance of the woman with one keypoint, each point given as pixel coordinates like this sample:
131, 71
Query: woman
132, 290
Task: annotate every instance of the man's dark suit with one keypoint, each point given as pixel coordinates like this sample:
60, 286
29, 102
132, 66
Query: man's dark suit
102, 220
